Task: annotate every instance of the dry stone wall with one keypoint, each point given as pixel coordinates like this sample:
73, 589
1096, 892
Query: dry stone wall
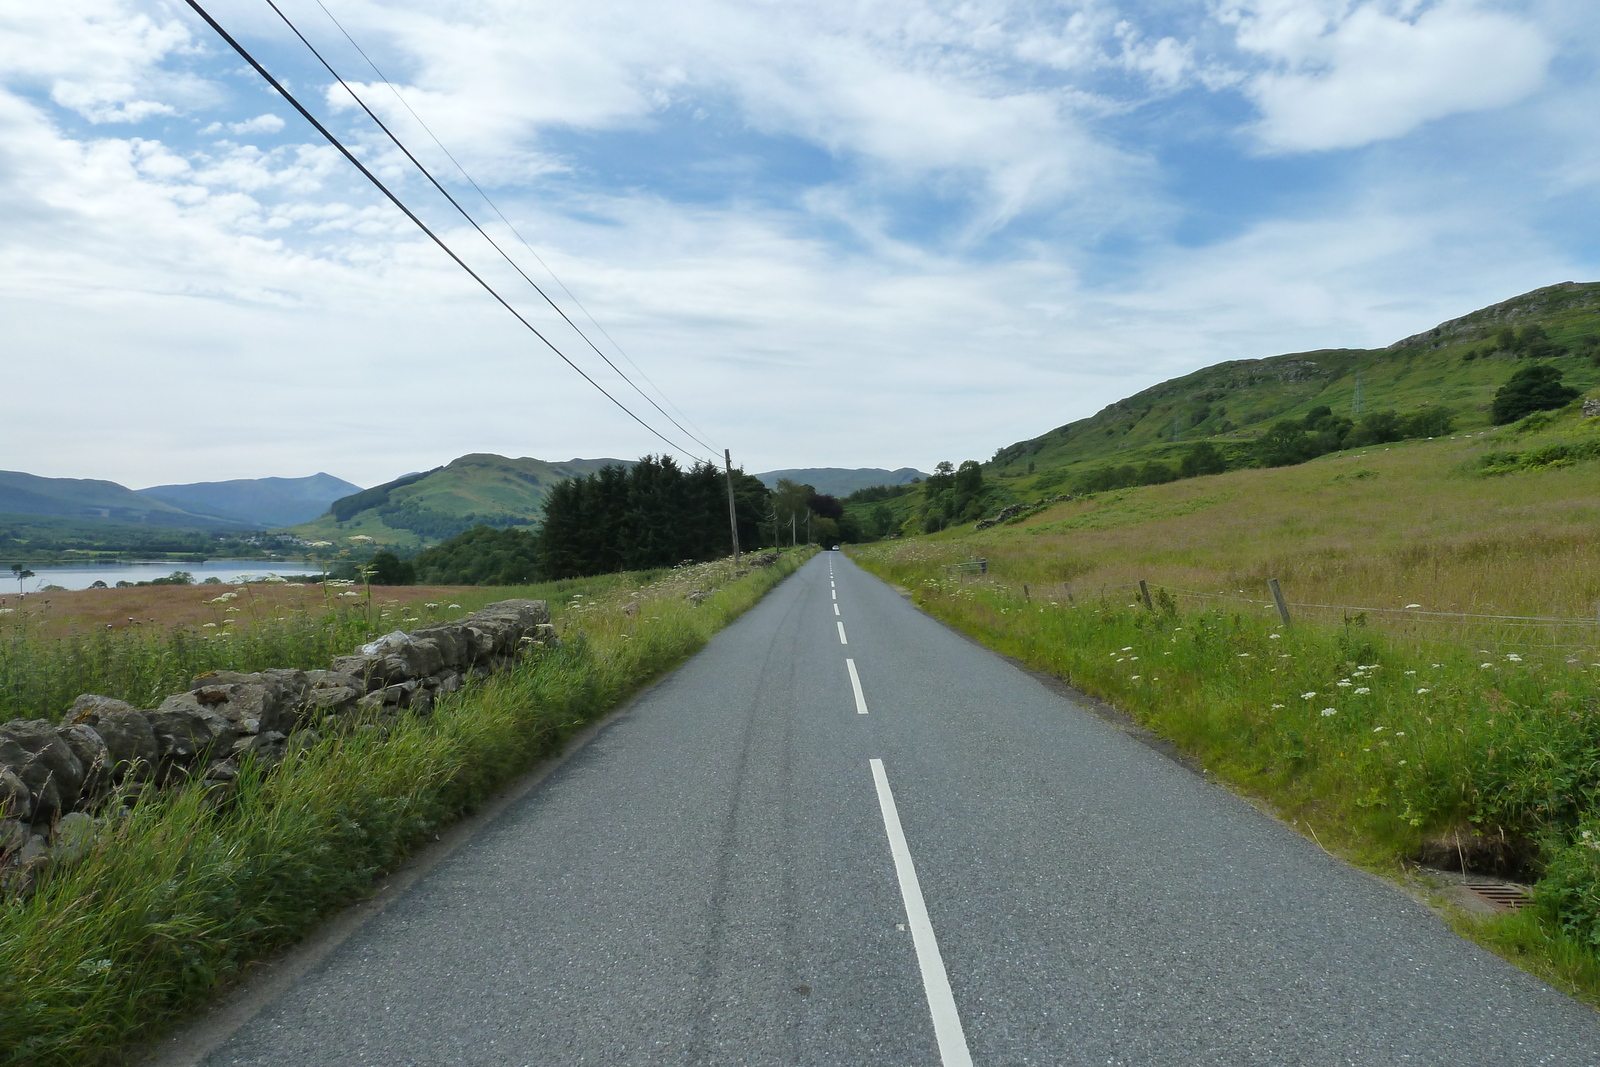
55, 779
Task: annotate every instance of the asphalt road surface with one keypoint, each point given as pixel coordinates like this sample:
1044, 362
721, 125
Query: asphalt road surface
843, 834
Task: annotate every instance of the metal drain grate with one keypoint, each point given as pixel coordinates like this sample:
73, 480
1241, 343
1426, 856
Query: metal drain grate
1501, 896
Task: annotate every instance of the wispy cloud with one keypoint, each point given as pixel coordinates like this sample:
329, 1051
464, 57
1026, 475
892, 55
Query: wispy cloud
1342, 75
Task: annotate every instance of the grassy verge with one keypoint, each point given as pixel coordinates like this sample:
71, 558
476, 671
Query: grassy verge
1382, 749
176, 896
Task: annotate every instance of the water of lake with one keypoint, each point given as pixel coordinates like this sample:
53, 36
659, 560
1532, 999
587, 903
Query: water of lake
83, 575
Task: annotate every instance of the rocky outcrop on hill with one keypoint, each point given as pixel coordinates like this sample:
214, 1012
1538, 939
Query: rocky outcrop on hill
54, 779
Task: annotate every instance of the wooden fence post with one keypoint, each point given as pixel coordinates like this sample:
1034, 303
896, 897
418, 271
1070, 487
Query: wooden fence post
1144, 591
1025, 595
1277, 596
1068, 586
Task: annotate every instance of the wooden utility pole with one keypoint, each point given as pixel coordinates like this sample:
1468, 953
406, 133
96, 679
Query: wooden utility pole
733, 514
1144, 591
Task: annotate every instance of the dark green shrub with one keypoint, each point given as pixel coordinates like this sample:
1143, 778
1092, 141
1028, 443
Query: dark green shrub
385, 568
1285, 444
1203, 458
1533, 388
1154, 473
1429, 422
1377, 428
481, 556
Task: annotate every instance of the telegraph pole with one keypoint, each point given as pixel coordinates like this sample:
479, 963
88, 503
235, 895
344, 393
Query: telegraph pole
733, 514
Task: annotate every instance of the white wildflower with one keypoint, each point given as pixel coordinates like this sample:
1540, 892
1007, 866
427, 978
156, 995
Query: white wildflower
1329, 711
1422, 691
1307, 696
1512, 657
1362, 691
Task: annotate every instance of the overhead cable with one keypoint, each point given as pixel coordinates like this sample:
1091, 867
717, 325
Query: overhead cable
512, 227
464, 213
384, 189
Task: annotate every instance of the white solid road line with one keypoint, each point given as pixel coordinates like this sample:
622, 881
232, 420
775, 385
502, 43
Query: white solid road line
855, 684
941, 1002
842, 640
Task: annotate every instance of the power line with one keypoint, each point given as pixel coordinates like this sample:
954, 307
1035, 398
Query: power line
516, 232
384, 189
456, 205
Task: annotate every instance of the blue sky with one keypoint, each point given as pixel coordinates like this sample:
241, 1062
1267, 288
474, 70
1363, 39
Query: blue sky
844, 234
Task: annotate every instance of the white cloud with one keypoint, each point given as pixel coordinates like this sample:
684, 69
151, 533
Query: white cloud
181, 308
1343, 75
96, 57
268, 123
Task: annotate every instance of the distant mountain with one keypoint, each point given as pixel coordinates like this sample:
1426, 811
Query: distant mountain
842, 481
266, 502
91, 498
432, 506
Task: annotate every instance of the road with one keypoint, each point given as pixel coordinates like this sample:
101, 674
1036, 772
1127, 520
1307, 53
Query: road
843, 834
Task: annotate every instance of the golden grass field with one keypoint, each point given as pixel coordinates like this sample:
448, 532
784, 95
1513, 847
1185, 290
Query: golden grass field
1387, 527
161, 607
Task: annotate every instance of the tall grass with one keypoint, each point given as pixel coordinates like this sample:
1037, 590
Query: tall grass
1381, 747
42, 670
1404, 524
41, 675
178, 895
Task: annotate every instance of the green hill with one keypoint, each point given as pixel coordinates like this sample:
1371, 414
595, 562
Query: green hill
422, 509
1457, 365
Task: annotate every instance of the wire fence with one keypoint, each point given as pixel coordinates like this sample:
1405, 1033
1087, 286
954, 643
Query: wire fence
1457, 629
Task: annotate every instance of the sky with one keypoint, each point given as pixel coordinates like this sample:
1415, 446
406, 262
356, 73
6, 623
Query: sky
867, 233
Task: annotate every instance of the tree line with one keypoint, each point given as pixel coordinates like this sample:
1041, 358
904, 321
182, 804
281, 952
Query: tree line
653, 514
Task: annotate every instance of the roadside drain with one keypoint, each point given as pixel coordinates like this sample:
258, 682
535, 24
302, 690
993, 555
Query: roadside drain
1499, 895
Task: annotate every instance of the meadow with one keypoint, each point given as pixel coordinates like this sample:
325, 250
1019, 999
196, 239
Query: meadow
1396, 719
141, 644
176, 895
